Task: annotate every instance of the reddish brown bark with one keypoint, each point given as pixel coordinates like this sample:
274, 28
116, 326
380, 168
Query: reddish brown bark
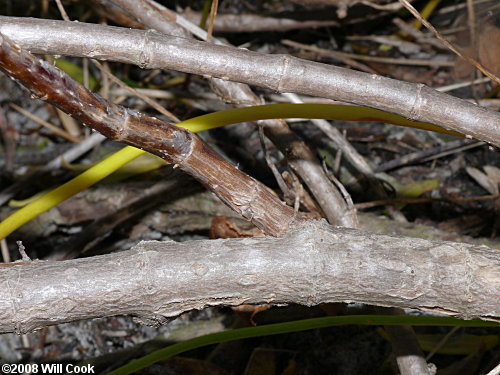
242, 193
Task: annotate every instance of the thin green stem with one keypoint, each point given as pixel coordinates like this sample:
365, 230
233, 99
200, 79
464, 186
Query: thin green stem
296, 326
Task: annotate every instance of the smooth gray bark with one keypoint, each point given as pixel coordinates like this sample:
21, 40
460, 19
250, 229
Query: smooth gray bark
282, 73
315, 263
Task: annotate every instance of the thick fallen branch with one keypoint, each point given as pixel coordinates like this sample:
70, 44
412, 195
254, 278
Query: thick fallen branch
314, 263
247, 196
281, 73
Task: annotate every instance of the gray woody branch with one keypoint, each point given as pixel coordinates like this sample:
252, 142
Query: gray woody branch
316, 263
281, 73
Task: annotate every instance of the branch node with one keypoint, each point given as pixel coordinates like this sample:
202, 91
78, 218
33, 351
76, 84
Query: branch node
415, 109
286, 60
146, 50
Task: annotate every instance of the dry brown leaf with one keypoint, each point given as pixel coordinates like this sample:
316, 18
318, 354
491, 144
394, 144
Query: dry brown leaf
222, 227
488, 49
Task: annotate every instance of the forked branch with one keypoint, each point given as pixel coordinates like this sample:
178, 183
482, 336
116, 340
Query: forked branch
247, 196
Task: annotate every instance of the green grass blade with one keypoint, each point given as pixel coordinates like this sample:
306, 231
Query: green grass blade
295, 326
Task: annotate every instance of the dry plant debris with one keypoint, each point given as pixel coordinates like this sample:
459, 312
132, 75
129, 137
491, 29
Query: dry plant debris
371, 164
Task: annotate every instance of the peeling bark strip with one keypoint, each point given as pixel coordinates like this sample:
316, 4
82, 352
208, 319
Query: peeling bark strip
282, 73
316, 263
245, 195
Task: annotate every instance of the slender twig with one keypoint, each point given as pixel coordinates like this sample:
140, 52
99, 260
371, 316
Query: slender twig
348, 150
447, 43
418, 35
279, 179
135, 92
441, 343
424, 154
458, 85
62, 10
54, 129
385, 60
391, 201
247, 23
73, 153
4, 250
213, 12
471, 23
